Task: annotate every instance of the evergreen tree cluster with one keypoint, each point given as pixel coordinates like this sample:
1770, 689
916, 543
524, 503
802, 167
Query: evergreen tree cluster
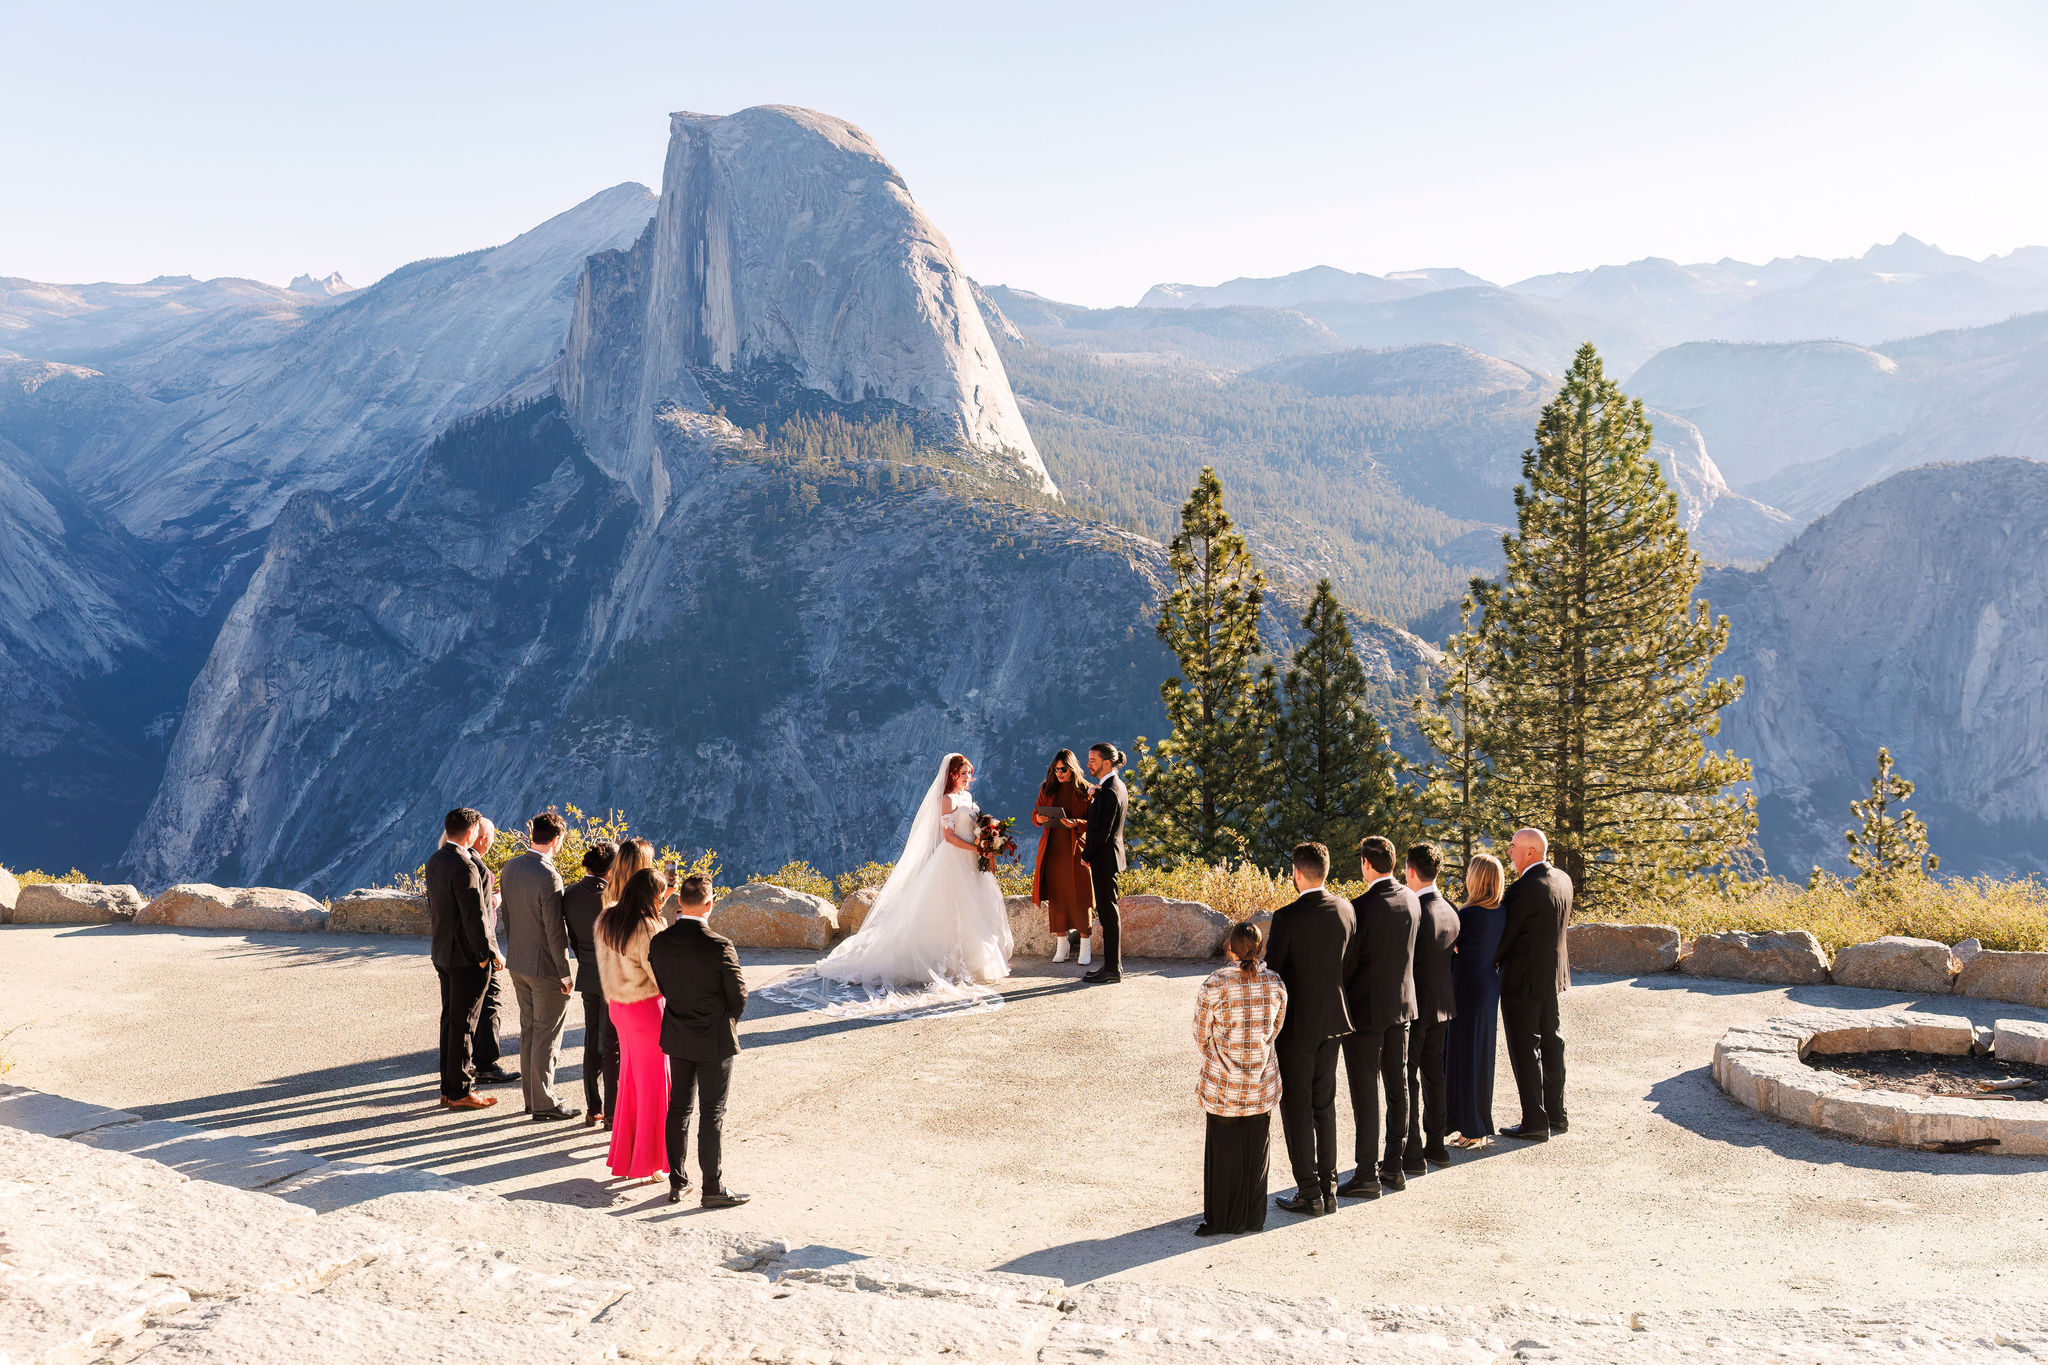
1577, 697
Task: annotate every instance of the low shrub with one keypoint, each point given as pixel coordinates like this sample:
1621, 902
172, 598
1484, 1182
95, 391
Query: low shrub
1239, 890
37, 877
798, 876
2006, 915
866, 875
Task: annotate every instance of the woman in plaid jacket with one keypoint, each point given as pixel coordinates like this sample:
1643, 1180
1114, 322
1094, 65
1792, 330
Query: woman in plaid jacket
1237, 1017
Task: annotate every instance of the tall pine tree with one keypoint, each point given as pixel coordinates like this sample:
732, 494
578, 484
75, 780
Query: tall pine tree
1598, 699
1337, 780
1204, 790
1453, 796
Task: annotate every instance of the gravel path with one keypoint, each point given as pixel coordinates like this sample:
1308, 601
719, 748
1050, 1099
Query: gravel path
1059, 1136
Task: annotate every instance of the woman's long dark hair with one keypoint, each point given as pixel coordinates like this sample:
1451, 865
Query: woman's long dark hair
638, 903
1053, 786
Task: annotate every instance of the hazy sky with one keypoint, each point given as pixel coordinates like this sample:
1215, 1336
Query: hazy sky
1087, 151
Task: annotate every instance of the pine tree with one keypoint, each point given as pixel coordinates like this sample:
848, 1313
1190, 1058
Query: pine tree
1337, 780
1888, 845
1453, 796
1598, 698
1204, 790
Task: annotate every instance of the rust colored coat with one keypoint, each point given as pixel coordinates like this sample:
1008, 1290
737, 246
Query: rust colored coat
1061, 883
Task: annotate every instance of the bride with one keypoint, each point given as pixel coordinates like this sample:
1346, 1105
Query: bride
938, 931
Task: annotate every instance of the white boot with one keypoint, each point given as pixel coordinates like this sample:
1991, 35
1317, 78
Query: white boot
1087, 953
1059, 952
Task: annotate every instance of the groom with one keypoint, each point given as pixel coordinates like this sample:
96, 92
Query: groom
1103, 849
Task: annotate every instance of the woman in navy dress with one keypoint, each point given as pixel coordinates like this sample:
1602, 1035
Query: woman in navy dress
1475, 986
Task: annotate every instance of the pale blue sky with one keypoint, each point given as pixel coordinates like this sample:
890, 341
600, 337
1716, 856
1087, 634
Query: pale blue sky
1083, 150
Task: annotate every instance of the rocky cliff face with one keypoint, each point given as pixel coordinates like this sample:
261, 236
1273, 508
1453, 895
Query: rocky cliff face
786, 266
1912, 616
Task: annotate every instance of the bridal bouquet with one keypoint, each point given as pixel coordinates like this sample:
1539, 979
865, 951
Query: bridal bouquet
992, 837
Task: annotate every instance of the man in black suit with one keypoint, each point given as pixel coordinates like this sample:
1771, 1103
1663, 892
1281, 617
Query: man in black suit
1435, 1006
1535, 968
462, 952
704, 996
1102, 846
1313, 947
490, 1020
581, 905
1380, 992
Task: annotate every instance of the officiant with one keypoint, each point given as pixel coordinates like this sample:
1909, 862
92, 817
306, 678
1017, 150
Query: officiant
1061, 881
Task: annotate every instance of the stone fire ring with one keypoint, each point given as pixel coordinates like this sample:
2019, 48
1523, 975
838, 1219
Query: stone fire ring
1764, 1067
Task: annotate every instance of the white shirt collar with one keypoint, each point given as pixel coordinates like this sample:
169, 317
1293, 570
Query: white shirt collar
1427, 889
1540, 862
1374, 885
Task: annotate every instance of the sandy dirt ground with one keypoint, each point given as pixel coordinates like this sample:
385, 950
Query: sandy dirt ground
1060, 1135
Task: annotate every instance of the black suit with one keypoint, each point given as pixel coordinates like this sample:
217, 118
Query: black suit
1535, 968
1435, 1007
460, 946
703, 996
1104, 853
581, 905
490, 1020
1314, 949
1380, 992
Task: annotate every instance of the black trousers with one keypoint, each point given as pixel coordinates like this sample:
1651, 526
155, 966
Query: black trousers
490, 1022
600, 1056
1376, 1059
1427, 1109
462, 999
1536, 1052
1308, 1112
1235, 1172
691, 1084
1103, 878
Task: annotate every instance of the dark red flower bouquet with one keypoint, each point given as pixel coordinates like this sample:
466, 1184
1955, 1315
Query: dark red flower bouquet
992, 837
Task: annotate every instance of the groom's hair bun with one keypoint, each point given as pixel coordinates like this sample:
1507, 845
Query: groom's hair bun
1108, 751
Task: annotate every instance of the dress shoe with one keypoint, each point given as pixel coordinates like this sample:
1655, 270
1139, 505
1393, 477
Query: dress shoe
1205, 1230
1522, 1132
560, 1111
678, 1186
469, 1102
723, 1198
1437, 1156
1360, 1187
593, 1118
1414, 1165
1310, 1205
1393, 1178
1559, 1125
496, 1075
1102, 976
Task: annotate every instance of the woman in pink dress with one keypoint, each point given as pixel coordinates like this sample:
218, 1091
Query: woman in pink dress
639, 1148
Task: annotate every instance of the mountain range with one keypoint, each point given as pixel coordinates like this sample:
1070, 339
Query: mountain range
734, 504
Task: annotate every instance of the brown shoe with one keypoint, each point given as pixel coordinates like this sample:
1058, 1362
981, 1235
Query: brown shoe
593, 1118
469, 1102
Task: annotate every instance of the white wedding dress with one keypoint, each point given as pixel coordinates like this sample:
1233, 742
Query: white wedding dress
937, 934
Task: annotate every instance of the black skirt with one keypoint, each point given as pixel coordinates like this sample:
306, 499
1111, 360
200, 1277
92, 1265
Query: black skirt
1234, 1172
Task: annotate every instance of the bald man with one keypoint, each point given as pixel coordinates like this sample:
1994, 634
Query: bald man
1534, 970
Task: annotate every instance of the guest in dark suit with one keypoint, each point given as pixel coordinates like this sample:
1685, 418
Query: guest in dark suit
581, 905
1380, 992
1103, 847
1535, 969
462, 953
1435, 1005
703, 996
490, 1021
1475, 981
1314, 951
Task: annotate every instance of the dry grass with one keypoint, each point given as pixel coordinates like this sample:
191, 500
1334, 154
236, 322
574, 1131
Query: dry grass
1239, 890
2010, 916
38, 877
